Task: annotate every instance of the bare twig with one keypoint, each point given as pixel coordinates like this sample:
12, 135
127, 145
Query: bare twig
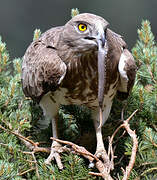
131, 115
29, 143
19, 135
82, 151
134, 148
154, 127
111, 155
5, 145
119, 161
32, 146
36, 166
22, 173
119, 137
148, 163
149, 170
26, 160
104, 171
95, 174
135, 144
35, 162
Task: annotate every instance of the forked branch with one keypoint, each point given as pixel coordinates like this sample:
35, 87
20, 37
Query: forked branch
104, 171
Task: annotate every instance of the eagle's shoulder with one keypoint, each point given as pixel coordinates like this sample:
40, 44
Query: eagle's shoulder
42, 68
51, 36
115, 39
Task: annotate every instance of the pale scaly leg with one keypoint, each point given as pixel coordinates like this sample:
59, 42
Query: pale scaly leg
55, 147
50, 109
100, 149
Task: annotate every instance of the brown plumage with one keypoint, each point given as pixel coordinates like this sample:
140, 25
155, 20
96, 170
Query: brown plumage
61, 67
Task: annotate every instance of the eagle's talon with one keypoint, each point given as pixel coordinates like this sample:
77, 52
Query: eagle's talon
101, 154
56, 148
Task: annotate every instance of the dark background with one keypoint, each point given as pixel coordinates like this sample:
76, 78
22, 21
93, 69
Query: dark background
19, 18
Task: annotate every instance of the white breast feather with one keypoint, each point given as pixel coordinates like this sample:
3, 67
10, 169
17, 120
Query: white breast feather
123, 75
64, 67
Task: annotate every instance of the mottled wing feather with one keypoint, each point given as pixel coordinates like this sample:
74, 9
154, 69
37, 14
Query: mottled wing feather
126, 65
42, 70
116, 39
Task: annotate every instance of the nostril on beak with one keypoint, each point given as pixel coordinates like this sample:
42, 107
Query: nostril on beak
103, 41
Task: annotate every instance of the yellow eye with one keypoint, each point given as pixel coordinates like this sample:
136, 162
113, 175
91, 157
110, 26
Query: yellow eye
82, 27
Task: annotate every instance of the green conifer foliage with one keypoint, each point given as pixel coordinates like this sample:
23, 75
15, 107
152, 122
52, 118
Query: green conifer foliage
18, 114
144, 98
14, 115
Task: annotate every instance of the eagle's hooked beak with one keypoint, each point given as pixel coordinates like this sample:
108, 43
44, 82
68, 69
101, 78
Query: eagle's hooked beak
102, 53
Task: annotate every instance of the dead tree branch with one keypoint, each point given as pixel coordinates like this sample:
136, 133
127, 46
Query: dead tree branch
104, 171
82, 151
134, 148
